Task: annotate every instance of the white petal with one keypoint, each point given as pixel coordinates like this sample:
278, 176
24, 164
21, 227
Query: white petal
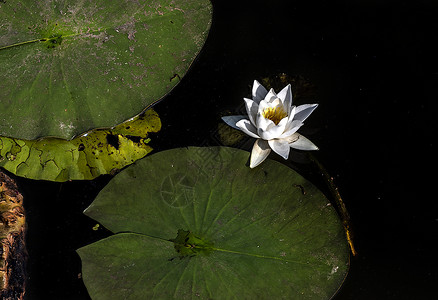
232, 120
280, 147
267, 135
302, 143
286, 96
271, 96
263, 105
291, 113
303, 111
291, 128
263, 123
273, 132
291, 138
277, 102
259, 153
258, 91
283, 122
251, 109
248, 128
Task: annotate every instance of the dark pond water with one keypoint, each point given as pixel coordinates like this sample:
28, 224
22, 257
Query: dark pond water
372, 64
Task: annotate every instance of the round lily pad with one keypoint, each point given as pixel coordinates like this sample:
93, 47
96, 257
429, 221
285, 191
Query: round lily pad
199, 223
70, 66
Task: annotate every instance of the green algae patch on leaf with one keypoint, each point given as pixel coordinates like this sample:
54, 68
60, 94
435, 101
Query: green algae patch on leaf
232, 232
97, 152
187, 244
67, 67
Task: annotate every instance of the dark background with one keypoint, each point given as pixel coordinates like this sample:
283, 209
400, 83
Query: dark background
374, 70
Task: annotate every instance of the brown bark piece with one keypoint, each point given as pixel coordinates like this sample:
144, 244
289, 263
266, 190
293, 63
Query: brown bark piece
13, 253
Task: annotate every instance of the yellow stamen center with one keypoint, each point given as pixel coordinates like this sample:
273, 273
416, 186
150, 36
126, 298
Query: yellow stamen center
275, 114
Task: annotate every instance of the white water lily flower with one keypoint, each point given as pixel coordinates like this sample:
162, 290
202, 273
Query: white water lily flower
273, 121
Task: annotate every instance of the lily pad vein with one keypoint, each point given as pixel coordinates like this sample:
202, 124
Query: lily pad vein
194, 279
17, 86
234, 252
239, 213
206, 285
171, 270
63, 79
219, 214
175, 294
224, 283
206, 209
257, 221
262, 256
158, 267
195, 222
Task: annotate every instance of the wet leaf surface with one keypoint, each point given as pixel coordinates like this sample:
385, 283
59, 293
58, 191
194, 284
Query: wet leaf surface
199, 223
70, 66
97, 152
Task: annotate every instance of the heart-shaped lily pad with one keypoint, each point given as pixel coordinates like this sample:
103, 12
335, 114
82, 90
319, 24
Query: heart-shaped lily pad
70, 66
199, 223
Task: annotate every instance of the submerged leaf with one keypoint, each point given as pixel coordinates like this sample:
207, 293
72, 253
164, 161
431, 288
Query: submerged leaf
97, 152
12, 240
70, 66
241, 233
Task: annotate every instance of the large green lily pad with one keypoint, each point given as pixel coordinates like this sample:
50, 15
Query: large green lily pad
70, 66
97, 152
198, 223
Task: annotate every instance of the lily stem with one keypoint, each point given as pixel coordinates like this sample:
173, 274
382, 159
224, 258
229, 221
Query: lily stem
342, 209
